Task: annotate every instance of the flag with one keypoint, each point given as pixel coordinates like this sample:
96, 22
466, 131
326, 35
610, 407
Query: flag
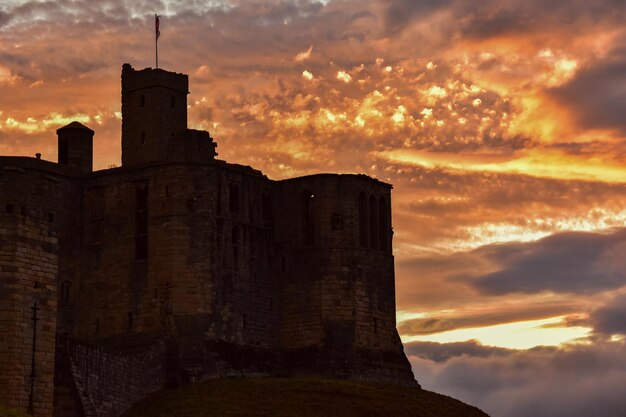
157, 18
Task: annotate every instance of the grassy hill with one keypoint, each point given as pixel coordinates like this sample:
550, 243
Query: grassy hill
286, 397
7, 412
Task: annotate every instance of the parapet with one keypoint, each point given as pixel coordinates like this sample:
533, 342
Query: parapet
133, 79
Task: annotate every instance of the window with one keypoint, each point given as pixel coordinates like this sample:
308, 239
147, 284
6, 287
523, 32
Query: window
307, 217
362, 220
218, 199
336, 221
266, 206
50, 217
64, 150
141, 222
173, 102
131, 318
9, 208
219, 227
96, 202
373, 222
65, 292
383, 225
235, 240
143, 137
235, 235
143, 101
233, 192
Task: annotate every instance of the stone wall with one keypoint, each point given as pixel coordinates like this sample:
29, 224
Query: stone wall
29, 259
205, 275
110, 382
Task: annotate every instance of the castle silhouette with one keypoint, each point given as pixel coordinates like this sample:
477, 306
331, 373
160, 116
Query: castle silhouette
177, 267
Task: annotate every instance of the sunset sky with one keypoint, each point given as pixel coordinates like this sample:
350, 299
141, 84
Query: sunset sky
500, 123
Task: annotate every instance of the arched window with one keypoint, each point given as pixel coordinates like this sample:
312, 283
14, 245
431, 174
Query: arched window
233, 198
307, 217
383, 225
65, 292
373, 222
266, 206
218, 199
141, 222
362, 220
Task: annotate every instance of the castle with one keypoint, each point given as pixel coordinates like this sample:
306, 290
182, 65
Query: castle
178, 267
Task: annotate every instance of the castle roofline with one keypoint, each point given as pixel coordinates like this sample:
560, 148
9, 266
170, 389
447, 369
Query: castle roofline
74, 126
153, 77
129, 67
327, 175
27, 163
244, 169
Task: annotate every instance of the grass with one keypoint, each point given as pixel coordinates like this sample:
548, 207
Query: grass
8, 412
286, 397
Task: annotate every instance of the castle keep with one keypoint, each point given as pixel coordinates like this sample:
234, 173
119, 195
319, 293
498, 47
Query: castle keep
177, 267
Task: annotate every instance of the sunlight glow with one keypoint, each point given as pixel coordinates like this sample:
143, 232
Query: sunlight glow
304, 55
344, 76
517, 335
7, 77
545, 165
33, 125
398, 116
436, 91
597, 220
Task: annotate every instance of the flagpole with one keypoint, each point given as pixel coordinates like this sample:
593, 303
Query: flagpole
156, 40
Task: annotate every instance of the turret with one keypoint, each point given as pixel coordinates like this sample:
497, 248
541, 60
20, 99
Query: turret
154, 113
76, 146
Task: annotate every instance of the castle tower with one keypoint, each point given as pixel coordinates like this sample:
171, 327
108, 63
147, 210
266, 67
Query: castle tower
76, 146
28, 291
333, 241
154, 112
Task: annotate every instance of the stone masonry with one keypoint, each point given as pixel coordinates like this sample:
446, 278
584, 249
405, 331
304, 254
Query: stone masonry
178, 267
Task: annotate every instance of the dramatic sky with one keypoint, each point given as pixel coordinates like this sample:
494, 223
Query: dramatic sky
500, 123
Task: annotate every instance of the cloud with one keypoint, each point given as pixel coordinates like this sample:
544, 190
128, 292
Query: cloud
304, 55
7, 77
399, 13
597, 93
579, 381
4, 18
563, 263
442, 352
487, 316
344, 76
492, 19
610, 319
